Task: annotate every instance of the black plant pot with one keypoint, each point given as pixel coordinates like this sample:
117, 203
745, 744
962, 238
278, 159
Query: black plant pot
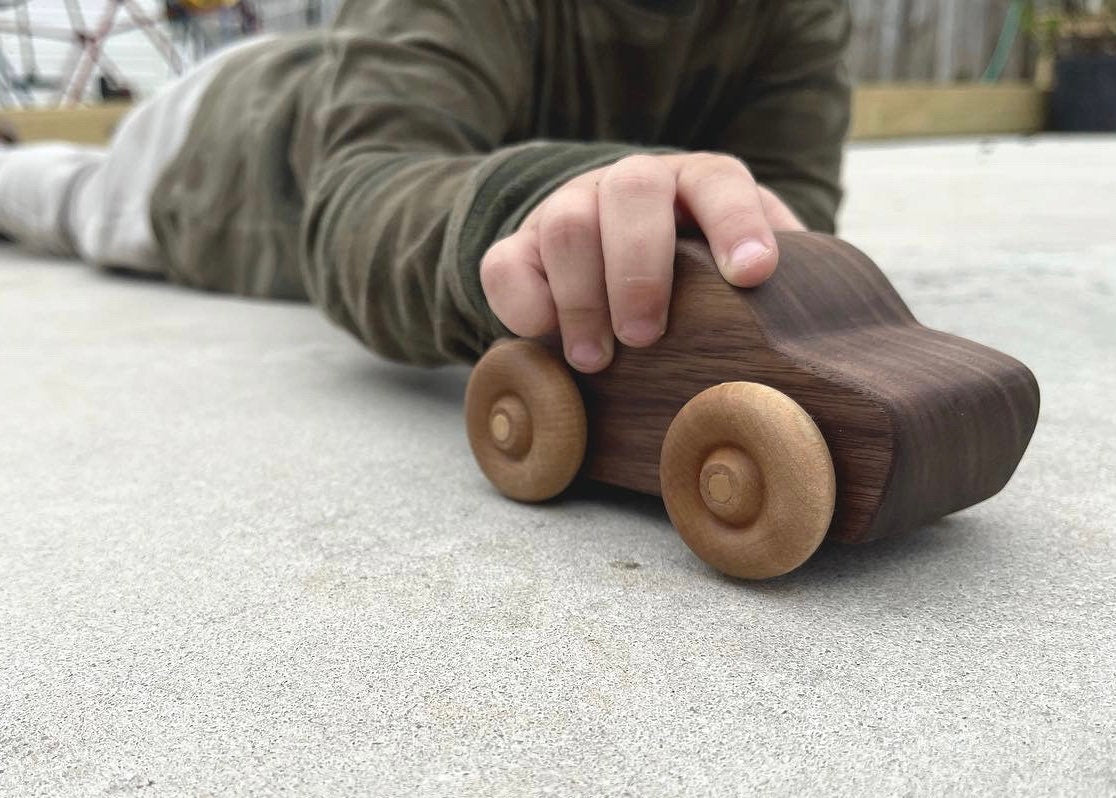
1084, 97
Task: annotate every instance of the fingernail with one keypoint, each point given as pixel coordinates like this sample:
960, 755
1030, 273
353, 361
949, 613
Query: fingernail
640, 332
586, 354
745, 255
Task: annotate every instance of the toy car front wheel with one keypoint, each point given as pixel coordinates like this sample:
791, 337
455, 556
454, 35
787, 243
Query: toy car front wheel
525, 420
747, 480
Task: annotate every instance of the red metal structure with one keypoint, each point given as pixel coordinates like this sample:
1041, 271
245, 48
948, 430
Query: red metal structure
179, 31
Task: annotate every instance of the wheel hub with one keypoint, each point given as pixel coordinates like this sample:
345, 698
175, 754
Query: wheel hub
732, 486
509, 424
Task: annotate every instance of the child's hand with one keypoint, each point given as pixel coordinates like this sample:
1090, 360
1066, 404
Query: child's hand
597, 255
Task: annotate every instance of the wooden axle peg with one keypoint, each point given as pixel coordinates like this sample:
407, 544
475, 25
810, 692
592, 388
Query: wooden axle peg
732, 485
510, 426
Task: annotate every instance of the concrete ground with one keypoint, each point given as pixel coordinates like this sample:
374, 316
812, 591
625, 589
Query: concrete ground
239, 555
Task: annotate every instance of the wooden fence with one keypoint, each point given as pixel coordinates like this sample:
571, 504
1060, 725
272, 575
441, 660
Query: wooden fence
932, 40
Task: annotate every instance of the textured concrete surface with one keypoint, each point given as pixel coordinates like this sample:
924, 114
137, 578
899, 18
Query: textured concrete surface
238, 555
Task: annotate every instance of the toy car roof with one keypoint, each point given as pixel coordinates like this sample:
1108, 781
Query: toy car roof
919, 423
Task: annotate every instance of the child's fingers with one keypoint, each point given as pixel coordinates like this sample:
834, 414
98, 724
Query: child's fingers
570, 245
597, 256
723, 198
512, 276
636, 198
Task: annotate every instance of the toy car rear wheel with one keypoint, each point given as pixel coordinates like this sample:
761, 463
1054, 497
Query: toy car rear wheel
525, 420
748, 480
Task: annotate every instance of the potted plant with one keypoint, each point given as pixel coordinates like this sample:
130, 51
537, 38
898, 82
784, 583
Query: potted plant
1077, 42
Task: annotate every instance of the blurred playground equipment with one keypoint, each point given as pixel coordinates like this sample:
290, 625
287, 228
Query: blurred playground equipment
57, 53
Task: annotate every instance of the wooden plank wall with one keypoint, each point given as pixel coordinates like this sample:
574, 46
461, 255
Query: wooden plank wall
940, 41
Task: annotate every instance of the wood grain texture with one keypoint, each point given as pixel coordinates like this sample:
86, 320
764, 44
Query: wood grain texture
919, 423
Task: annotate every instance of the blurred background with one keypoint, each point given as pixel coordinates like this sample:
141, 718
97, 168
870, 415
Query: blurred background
1052, 61
58, 52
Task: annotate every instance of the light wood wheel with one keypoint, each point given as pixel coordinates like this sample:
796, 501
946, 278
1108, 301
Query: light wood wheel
525, 420
747, 480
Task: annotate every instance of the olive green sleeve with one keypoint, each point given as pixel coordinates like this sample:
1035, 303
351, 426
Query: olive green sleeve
407, 181
792, 110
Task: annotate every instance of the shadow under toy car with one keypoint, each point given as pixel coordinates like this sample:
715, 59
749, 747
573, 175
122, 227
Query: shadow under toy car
766, 417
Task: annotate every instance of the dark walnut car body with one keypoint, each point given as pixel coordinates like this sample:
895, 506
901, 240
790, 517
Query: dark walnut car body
914, 423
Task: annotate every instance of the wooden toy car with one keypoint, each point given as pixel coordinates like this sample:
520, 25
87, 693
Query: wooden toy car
766, 417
